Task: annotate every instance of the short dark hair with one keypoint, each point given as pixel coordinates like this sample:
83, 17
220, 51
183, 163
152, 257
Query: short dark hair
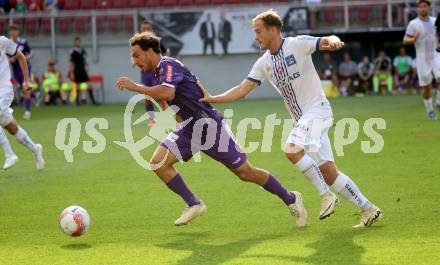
146, 40
428, 2
77, 38
270, 18
13, 27
147, 21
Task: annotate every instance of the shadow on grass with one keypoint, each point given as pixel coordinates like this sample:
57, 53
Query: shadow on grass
335, 248
205, 253
76, 246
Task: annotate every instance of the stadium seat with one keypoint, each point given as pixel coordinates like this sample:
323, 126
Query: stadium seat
218, 2
32, 25
81, 24
169, 2
232, 2
104, 4
71, 5
119, 4
45, 25
201, 2
152, 3
129, 23
19, 22
87, 4
249, 1
3, 24
185, 3
63, 24
100, 23
114, 23
136, 3
39, 3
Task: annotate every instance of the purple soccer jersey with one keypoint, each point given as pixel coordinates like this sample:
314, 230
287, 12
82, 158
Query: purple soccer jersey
23, 46
205, 130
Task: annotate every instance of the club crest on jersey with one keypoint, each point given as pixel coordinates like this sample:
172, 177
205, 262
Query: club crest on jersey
290, 60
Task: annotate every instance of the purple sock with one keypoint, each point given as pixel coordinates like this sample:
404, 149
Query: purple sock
274, 186
177, 184
28, 104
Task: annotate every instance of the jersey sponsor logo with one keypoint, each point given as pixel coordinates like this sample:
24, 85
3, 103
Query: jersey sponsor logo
290, 60
169, 74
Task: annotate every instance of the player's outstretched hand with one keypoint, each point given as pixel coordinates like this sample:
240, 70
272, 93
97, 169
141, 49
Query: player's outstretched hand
125, 82
206, 96
331, 43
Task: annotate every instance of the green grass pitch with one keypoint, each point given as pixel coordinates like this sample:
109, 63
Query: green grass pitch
133, 212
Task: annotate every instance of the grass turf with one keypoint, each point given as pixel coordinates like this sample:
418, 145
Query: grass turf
133, 212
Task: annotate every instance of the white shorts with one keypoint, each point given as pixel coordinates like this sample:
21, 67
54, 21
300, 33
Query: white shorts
426, 71
311, 134
6, 99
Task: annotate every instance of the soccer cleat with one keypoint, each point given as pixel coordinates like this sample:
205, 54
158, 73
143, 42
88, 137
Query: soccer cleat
10, 161
151, 122
369, 216
431, 116
190, 213
328, 203
297, 209
38, 154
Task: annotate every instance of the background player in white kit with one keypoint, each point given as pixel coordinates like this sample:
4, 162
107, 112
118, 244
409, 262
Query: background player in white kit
9, 48
422, 33
288, 66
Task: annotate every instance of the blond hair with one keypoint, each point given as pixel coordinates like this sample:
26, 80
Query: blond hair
270, 18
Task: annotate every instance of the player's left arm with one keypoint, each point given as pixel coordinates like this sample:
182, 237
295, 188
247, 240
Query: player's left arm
330, 43
24, 69
158, 92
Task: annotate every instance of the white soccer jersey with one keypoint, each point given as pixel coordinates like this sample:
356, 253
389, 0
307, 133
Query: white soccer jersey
7, 47
427, 40
292, 73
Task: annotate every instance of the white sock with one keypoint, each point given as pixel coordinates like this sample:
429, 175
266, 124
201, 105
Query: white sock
348, 189
4, 142
311, 170
151, 114
437, 99
23, 138
428, 104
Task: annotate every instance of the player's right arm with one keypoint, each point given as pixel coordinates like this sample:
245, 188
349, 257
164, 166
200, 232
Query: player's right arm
233, 94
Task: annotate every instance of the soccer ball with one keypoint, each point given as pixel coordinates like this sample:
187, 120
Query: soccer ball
74, 221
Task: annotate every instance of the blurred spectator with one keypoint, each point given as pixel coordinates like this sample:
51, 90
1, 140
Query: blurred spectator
66, 87
23, 46
402, 70
51, 5
20, 7
207, 34
224, 32
365, 72
4, 6
347, 74
78, 65
327, 70
34, 6
382, 76
51, 83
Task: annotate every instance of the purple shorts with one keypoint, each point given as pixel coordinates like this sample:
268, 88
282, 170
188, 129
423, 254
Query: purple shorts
212, 137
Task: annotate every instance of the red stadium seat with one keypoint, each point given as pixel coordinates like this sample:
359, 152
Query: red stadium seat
119, 4
87, 4
185, 2
152, 3
218, 2
249, 1
19, 22
114, 23
136, 3
104, 4
32, 25
232, 2
3, 24
39, 4
81, 24
201, 2
100, 23
71, 5
45, 25
63, 24
129, 23
169, 2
